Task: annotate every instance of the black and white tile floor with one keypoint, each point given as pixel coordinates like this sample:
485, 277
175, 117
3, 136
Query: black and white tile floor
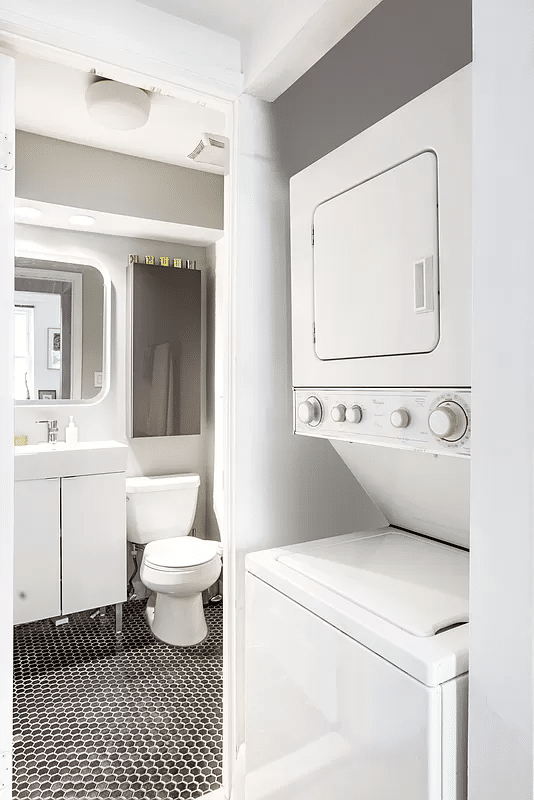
98, 716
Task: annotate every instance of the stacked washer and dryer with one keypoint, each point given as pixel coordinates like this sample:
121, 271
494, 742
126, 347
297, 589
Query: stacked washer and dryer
357, 644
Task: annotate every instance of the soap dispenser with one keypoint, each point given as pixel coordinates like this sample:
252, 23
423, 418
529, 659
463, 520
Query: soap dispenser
71, 432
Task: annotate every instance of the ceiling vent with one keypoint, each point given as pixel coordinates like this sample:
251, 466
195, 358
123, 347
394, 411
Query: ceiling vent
212, 150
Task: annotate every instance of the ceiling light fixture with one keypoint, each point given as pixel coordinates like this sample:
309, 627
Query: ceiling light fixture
83, 220
27, 212
117, 105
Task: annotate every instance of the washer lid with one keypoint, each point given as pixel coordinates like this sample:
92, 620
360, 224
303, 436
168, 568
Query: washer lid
180, 551
421, 586
161, 483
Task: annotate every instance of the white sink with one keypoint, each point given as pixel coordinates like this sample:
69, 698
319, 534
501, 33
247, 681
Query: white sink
61, 460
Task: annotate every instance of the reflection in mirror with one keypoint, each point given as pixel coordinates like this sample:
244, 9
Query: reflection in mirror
59, 331
165, 358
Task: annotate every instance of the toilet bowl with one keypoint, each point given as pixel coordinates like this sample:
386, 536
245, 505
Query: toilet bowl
176, 567
177, 571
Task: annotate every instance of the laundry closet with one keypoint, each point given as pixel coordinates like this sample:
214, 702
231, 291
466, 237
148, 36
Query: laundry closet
362, 639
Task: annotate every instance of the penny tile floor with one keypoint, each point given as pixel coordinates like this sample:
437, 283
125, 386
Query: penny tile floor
99, 716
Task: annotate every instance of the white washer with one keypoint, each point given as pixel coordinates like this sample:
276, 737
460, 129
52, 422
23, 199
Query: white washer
357, 659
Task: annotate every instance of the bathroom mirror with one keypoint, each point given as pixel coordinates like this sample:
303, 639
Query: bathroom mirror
59, 332
165, 351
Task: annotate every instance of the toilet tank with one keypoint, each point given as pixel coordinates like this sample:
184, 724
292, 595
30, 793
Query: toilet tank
160, 507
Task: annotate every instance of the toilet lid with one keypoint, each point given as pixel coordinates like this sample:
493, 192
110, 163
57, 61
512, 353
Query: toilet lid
180, 551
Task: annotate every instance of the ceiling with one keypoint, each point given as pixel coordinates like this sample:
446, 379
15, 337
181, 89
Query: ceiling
56, 216
50, 101
279, 40
237, 18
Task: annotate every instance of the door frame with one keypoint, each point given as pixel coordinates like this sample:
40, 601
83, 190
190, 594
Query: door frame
7, 485
128, 71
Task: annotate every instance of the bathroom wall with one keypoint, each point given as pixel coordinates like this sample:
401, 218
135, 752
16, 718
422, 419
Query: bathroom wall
67, 174
214, 255
106, 419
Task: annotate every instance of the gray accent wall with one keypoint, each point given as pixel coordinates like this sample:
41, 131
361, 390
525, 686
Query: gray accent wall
396, 53
73, 175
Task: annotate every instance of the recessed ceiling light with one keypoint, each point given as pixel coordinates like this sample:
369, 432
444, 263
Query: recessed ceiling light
27, 212
84, 220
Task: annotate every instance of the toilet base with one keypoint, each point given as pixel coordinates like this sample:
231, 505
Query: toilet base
178, 621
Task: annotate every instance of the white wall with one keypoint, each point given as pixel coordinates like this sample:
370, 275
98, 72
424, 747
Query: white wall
106, 419
213, 259
285, 488
501, 670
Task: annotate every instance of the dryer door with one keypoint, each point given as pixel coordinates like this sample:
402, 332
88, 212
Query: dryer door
376, 266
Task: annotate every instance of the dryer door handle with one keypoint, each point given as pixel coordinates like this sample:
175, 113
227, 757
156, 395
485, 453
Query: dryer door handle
423, 279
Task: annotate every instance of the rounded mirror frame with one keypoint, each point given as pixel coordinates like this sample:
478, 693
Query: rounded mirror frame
30, 261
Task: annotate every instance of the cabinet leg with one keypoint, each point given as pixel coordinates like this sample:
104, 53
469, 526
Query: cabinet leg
118, 618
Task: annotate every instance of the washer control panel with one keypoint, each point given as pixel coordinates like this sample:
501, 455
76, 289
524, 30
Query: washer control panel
431, 420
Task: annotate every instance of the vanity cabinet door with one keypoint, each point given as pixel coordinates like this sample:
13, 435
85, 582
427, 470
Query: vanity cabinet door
93, 548
36, 575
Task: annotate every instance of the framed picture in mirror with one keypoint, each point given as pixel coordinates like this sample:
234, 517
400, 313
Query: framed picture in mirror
54, 348
47, 394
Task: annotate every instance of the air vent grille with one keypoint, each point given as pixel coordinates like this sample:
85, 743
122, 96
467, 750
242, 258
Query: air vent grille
211, 150
197, 151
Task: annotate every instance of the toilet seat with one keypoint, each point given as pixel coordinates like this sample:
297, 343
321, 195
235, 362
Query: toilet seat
179, 552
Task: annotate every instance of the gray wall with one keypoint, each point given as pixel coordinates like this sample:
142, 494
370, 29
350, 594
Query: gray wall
396, 53
68, 174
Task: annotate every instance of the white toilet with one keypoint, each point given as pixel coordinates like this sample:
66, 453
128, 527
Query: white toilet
175, 566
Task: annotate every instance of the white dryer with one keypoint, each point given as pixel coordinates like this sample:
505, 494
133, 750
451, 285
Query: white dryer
381, 251
357, 659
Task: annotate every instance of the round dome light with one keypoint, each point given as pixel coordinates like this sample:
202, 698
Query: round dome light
117, 105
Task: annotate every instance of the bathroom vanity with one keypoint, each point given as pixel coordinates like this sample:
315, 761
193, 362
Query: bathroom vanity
70, 528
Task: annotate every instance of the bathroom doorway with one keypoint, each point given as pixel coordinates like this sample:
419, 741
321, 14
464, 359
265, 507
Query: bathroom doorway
217, 506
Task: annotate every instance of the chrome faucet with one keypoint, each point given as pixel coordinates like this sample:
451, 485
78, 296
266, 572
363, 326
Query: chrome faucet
52, 429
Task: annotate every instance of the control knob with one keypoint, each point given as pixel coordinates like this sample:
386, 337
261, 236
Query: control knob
448, 421
338, 413
400, 418
354, 414
310, 411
